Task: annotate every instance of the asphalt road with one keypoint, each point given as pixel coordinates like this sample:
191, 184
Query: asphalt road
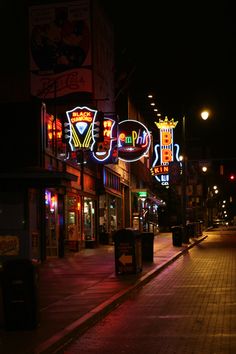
190, 307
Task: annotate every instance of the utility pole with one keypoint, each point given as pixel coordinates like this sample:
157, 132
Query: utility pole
184, 180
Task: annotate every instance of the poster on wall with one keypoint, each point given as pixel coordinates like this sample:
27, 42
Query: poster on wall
60, 49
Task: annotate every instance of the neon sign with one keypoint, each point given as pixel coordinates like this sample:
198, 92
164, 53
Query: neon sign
166, 155
81, 121
106, 150
133, 140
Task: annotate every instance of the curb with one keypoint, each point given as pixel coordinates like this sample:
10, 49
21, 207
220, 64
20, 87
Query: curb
58, 341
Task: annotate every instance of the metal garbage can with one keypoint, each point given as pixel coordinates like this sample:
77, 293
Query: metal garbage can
200, 228
128, 251
20, 295
104, 238
191, 229
147, 246
177, 235
185, 236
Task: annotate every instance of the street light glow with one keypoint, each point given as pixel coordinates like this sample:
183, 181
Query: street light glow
205, 115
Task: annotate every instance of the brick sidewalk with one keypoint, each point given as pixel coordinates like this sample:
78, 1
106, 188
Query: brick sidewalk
75, 292
189, 308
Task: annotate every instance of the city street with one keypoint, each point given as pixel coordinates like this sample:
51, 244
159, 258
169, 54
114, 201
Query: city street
118, 206
189, 308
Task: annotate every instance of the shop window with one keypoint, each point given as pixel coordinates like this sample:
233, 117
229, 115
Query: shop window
111, 180
54, 136
72, 223
89, 219
114, 213
52, 230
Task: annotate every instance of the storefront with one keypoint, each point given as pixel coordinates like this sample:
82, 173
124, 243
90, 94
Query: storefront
51, 223
89, 224
73, 236
35, 202
145, 211
78, 220
110, 206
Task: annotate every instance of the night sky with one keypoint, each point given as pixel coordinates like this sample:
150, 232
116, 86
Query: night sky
185, 53
182, 51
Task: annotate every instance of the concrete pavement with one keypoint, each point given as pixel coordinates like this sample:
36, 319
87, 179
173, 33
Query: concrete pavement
76, 291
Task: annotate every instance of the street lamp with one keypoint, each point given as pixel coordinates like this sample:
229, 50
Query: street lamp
204, 115
184, 180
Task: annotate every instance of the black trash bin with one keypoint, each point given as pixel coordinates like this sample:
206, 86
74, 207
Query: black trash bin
128, 251
20, 295
200, 229
147, 246
177, 235
191, 229
104, 238
185, 236
199, 226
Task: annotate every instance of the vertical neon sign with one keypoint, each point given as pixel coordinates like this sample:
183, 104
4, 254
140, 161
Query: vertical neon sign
106, 150
166, 154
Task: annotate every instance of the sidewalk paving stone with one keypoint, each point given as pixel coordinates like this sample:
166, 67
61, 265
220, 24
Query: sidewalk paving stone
78, 290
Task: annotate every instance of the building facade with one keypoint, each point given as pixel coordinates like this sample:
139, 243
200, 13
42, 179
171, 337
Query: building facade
56, 196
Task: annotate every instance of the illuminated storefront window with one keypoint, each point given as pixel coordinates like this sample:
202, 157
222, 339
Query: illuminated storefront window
54, 141
89, 219
52, 227
73, 224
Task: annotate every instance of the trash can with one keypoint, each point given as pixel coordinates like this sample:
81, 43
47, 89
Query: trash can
104, 238
128, 251
200, 228
177, 235
191, 229
185, 236
20, 295
147, 246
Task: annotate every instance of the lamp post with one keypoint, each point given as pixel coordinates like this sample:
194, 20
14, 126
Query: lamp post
184, 180
204, 116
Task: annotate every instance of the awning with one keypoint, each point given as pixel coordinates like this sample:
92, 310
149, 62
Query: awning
36, 178
156, 201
